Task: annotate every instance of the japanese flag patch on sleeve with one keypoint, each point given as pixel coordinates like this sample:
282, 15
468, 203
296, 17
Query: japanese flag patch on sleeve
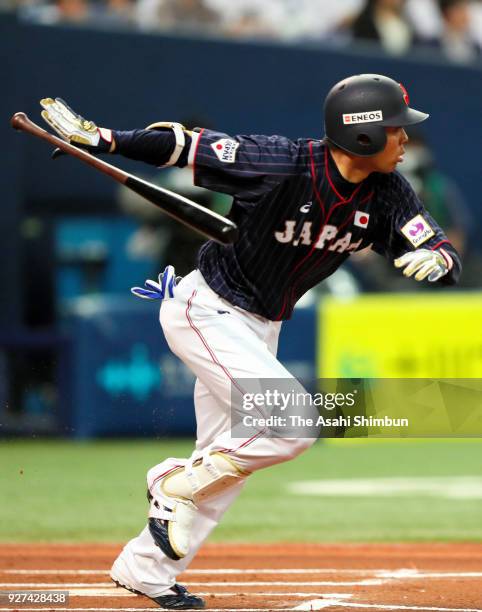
225, 150
417, 231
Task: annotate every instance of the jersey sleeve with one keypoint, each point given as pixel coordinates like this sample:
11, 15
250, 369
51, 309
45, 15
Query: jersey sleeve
405, 225
243, 166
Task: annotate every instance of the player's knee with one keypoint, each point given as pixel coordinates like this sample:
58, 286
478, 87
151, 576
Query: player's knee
155, 473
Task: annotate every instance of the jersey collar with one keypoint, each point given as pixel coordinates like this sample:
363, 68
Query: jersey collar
342, 188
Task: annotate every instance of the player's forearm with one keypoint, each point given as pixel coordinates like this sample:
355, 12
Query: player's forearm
150, 146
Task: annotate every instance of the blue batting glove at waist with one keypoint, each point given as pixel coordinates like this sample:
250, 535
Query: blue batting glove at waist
162, 290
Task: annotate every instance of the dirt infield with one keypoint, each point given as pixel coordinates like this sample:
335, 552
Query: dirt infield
438, 577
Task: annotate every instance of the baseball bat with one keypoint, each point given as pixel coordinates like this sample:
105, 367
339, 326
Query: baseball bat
176, 206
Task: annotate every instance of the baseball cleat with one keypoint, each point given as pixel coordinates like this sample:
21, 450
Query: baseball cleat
179, 599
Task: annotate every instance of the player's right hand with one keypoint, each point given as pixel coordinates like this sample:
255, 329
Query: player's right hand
75, 129
162, 290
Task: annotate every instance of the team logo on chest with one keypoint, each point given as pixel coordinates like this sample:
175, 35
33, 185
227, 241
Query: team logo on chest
307, 238
306, 207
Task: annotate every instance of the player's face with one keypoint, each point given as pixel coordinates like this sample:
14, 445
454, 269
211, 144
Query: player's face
392, 154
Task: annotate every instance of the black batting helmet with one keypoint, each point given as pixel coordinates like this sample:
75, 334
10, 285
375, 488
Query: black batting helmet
358, 109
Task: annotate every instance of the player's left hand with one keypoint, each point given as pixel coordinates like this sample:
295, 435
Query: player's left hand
423, 263
162, 290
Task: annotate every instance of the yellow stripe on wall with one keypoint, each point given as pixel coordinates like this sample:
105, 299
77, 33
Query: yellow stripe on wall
401, 336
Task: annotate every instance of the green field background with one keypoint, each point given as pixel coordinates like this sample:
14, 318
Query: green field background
69, 491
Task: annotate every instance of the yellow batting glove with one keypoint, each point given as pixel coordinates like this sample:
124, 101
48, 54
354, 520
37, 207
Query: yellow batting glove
74, 128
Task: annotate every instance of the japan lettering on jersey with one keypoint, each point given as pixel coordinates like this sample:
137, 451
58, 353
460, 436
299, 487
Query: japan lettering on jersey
328, 233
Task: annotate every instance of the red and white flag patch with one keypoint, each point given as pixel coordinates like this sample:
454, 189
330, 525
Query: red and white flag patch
361, 219
225, 150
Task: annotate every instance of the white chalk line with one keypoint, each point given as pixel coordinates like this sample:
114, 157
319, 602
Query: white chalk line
148, 608
314, 604
378, 573
109, 592
411, 573
382, 577
323, 603
124, 593
60, 585
57, 585
319, 604
73, 572
329, 600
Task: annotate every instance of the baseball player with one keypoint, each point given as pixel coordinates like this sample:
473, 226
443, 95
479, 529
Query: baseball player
302, 208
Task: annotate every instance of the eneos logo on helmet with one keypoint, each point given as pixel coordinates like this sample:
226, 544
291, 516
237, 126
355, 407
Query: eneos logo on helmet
368, 117
417, 230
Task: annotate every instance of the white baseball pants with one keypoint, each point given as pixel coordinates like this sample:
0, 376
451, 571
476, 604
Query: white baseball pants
219, 343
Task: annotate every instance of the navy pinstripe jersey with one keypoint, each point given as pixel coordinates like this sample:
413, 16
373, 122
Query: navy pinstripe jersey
299, 219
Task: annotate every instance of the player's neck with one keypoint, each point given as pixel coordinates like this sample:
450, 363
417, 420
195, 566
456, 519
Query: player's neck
352, 169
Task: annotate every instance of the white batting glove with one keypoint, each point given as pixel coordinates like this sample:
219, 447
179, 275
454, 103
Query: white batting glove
74, 128
162, 290
424, 263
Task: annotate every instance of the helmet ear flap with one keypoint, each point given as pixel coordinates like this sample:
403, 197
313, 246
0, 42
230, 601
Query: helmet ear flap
371, 140
362, 142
